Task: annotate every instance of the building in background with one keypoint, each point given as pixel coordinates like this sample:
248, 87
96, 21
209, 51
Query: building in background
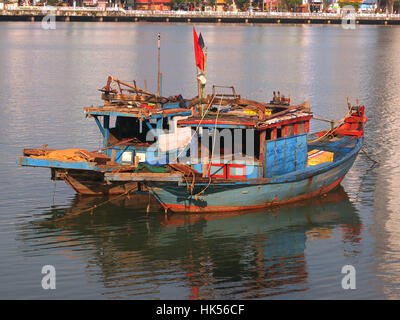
220, 5
368, 6
95, 3
315, 5
160, 5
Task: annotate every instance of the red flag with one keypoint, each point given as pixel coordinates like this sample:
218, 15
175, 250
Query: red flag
198, 51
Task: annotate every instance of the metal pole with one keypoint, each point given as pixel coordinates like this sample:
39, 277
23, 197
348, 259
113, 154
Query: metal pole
158, 75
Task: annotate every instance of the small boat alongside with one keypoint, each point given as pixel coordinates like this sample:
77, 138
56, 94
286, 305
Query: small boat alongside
129, 120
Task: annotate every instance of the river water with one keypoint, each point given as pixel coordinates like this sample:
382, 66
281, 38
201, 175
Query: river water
120, 251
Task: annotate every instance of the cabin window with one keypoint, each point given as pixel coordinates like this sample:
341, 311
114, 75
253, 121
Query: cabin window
301, 127
166, 123
268, 134
229, 143
289, 130
128, 128
250, 143
279, 132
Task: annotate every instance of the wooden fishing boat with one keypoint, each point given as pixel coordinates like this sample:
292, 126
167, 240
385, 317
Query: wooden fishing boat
126, 120
287, 164
211, 154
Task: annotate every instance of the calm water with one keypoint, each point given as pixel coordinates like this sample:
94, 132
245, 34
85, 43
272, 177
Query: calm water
47, 77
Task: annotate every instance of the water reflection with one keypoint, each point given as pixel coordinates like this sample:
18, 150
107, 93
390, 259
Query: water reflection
197, 256
386, 225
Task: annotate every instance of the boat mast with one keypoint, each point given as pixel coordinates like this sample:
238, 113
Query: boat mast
159, 62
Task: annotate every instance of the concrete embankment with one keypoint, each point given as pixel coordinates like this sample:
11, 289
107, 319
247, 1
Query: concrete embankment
70, 15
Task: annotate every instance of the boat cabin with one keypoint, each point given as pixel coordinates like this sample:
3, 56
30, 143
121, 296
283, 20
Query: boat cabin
242, 142
130, 132
132, 122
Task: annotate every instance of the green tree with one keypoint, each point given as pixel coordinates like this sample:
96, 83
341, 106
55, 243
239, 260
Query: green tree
354, 4
177, 4
292, 4
242, 4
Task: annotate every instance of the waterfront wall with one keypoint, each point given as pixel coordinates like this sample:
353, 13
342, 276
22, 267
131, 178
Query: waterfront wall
120, 15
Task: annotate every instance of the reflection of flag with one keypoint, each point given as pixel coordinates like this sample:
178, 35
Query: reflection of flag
198, 50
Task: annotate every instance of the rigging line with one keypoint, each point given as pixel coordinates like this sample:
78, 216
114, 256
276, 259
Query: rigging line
331, 131
212, 150
114, 145
197, 128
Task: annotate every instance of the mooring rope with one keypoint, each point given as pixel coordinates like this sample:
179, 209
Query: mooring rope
76, 213
369, 157
332, 130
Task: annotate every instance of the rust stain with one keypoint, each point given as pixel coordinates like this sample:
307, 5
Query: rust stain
309, 181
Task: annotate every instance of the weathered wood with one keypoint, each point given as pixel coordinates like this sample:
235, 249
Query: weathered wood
143, 176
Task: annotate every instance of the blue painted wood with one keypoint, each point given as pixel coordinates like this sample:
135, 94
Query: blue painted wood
96, 118
106, 126
301, 152
27, 161
285, 155
121, 114
243, 194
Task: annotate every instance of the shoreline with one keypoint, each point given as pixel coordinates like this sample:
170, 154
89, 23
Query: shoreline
96, 15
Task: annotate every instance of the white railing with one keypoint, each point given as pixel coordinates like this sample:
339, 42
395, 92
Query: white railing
189, 14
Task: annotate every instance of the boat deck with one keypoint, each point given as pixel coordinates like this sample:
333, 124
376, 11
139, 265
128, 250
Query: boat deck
340, 146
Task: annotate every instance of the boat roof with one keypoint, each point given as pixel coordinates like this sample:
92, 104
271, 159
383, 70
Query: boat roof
248, 114
221, 109
125, 99
142, 111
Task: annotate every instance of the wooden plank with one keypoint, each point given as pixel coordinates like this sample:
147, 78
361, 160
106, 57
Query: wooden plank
143, 176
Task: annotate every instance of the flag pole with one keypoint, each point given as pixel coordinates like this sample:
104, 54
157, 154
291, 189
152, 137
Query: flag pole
205, 66
159, 73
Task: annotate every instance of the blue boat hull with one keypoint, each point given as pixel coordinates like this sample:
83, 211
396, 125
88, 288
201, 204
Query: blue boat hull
223, 196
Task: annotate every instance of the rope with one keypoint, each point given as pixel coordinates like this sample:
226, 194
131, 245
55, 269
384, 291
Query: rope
197, 128
114, 145
331, 131
212, 150
368, 156
76, 213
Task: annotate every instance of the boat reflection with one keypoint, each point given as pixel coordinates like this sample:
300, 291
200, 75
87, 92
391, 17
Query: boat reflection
202, 256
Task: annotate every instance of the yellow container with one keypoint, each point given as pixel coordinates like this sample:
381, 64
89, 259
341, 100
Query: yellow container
249, 111
319, 156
